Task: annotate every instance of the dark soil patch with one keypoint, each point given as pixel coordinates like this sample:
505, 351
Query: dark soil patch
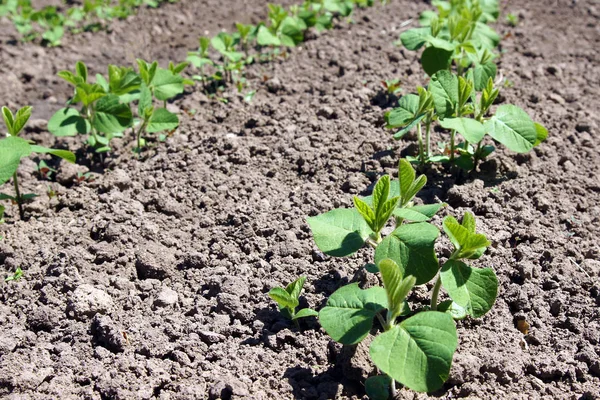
152, 280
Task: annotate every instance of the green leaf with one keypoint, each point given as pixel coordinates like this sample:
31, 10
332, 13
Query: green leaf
166, 85
9, 119
64, 154
418, 213
542, 133
428, 210
145, 101
418, 352
295, 287
283, 298
386, 212
305, 312
9, 163
125, 83
468, 221
68, 122
406, 177
512, 127
16, 145
450, 307
348, 315
474, 289
434, 60
482, 73
470, 129
444, 88
440, 43
339, 232
381, 193
20, 120
398, 135
266, 38
111, 115
486, 36
415, 188
12, 149
366, 212
411, 246
378, 387
414, 39
464, 240
162, 120
396, 288
292, 31
81, 70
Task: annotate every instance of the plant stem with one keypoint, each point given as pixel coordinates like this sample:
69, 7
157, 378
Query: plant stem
393, 387
138, 138
18, 195
428, 137
435, 293
476, 157
452, 146
420, 138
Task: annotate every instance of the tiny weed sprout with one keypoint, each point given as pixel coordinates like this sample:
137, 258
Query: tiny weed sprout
512, 20
288, 300
414, 344
15, 276
392, 86
13, 148
457, 107
457, 35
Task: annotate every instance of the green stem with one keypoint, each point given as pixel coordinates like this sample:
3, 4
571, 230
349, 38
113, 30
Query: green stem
139, 137
420, 138
452, 145
18, 195
476, 157
428, 138
436, 293
393, 387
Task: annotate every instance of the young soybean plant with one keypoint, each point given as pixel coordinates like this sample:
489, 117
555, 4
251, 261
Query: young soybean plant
160, 84
13, 148
104, 111
453, 103
457, 35
288, 300
342, 231
416, 345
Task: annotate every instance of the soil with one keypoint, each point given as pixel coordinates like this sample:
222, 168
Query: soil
151, 280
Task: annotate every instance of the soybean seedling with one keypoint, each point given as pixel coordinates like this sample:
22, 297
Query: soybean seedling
201, 60
13, 148
283, 30
152, 119
288, 300
414, 345
453, 102
104, 111
457, 35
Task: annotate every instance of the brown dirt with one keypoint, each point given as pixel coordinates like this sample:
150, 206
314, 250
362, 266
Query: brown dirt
179, 251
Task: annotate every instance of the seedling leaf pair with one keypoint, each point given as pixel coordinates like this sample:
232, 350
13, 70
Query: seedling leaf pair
13, 148
288, 300
472, 289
